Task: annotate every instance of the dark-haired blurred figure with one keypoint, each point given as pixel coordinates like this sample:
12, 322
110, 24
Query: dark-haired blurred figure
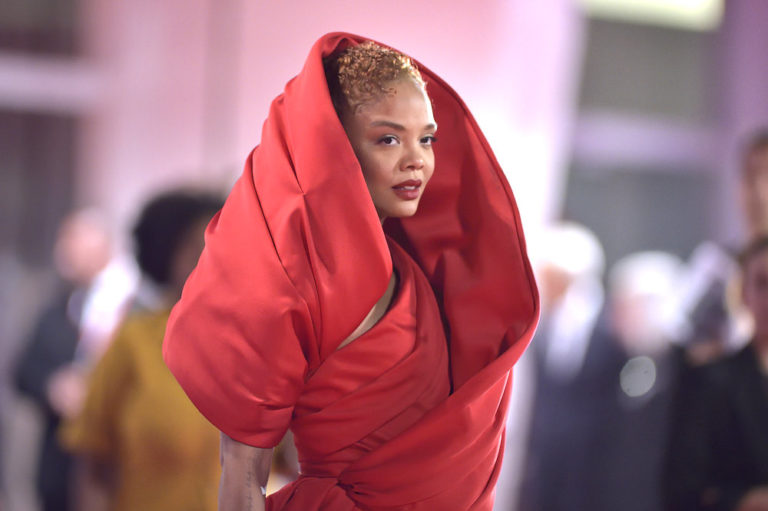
69, 334
718, 456
754, 184
716, 326
143, 444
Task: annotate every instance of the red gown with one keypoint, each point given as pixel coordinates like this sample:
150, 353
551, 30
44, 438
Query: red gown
411, 414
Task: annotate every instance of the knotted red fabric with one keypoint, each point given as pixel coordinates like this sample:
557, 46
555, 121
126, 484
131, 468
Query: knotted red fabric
411, 414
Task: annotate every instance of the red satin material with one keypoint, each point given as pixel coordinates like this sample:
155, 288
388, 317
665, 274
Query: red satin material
410, 415
370, 391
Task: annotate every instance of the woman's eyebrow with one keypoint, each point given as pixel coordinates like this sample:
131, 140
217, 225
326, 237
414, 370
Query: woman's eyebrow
399, 127
388, 124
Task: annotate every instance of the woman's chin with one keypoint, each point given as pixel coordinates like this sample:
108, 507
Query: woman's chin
403, 212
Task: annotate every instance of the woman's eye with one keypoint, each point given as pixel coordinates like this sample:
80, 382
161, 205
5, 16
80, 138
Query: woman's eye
388, 140
429, 140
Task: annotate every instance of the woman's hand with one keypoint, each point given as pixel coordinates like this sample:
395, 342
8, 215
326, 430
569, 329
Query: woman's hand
244, 475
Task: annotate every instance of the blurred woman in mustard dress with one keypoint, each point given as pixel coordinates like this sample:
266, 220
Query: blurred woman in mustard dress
143, 444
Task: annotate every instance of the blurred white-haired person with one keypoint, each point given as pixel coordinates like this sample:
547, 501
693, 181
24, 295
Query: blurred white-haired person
644, 300
69, 335
644, 317
570, 358
570, 264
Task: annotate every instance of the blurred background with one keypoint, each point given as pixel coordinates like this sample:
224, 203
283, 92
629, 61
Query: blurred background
624, 116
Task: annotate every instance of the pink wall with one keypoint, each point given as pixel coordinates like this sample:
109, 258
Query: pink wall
147, 128
189, 82
513, 62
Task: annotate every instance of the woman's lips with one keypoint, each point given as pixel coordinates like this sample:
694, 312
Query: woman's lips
408, 190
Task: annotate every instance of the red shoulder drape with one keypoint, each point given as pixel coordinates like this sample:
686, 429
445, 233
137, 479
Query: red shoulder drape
296, 259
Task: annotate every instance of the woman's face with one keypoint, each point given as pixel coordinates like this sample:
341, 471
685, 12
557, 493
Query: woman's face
392, 138
755, 290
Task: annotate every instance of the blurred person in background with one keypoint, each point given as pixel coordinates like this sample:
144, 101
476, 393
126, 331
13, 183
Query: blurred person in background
644, 318
711, 323
718, 456
754, 184
575, 363
68, 336
142, 443
600, 410
715, 324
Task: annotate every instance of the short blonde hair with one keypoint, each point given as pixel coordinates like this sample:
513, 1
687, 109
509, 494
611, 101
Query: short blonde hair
364, 72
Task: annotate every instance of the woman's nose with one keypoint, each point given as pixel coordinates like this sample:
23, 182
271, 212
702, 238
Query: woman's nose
416, 164
413, 161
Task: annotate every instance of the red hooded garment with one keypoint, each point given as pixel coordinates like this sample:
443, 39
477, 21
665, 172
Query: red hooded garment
411, 414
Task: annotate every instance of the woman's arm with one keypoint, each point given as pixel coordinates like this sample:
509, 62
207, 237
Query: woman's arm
244, 475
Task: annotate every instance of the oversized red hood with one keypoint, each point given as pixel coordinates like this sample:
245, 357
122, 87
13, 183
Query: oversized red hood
297, 257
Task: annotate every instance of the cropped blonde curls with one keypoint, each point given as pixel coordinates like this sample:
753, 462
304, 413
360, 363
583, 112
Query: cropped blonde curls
362, 73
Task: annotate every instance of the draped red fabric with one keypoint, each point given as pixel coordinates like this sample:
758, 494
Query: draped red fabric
410, 415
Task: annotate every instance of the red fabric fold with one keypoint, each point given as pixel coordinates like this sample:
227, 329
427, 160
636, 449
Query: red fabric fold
296, 259
371, 391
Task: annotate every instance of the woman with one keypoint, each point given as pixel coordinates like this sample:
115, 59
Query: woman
323, 303
144, 445
718, 458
